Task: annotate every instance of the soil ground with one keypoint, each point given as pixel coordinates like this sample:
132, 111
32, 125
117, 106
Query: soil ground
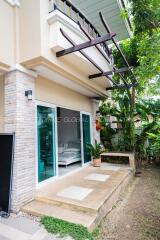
136, 216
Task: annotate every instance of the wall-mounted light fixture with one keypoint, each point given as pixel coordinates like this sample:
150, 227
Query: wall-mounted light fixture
98, 114
28, 94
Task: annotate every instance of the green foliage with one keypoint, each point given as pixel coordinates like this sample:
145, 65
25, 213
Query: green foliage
153, 87
119, 109
147, 111
146, 15
148, 57
142, 145
142, 52
143, 49
155, 140
64, 228
107, 134
95, 150
147, 108
122, 110
129, 48
124, 14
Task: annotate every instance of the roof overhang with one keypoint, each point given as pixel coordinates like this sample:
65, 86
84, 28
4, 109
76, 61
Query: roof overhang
111, 10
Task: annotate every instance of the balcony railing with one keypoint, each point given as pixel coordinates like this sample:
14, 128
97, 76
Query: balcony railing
71, 11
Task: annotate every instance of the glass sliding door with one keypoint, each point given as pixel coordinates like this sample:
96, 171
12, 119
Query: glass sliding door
86, 137
46, 143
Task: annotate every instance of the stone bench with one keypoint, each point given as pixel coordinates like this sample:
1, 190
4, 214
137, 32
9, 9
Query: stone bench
131, 157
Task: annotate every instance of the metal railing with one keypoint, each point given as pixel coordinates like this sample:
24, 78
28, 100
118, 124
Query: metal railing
70, 10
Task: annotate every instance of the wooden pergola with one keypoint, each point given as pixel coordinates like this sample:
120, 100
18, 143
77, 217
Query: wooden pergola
94, 42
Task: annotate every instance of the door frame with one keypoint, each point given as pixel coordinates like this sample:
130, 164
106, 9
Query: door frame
54, 106
72, 109
91, 135
46, 181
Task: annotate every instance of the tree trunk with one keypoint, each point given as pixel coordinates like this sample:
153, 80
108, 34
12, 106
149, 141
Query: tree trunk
132, 133
132, 127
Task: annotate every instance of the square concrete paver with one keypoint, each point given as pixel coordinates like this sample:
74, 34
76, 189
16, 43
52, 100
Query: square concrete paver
110, 167
75, 192
97, 177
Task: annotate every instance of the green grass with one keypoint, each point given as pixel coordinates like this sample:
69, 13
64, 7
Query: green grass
64, 228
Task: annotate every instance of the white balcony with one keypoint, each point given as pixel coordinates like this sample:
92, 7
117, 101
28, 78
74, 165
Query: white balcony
57, 20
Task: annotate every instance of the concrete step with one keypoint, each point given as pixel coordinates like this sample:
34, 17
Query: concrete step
83, 206
80, 212
67, 204
37, 208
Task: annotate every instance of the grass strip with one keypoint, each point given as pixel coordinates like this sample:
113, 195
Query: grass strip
64, 228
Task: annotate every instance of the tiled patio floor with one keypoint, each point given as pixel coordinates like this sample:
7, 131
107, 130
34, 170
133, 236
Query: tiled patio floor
87, 191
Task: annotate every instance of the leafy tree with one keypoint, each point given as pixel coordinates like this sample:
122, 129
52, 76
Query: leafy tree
148, 54
147, 112
143, 54
146, 15
143, 49
155, 142
148, 109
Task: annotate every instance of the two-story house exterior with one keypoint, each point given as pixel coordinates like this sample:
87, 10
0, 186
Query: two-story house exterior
49, 102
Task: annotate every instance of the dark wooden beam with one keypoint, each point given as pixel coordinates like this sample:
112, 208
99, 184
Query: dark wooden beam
103, 54
97, 75
88, 44
81, 51
85, 55
121, 70
98, 48
123, 86
90, 38
98, 98
116, 44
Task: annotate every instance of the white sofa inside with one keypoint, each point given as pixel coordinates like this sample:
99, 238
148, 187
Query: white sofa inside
68, 155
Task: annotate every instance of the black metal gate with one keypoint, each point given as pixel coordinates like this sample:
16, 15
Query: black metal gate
6, 167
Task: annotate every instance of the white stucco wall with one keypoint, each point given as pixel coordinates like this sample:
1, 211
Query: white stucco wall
1, 103
58, 95
7, 18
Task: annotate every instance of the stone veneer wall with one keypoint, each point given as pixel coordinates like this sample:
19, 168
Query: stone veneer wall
20, 118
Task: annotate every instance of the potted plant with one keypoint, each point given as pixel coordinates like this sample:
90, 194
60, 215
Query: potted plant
95, 151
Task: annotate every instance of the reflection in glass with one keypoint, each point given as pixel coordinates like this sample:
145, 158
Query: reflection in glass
46, 143
86, 137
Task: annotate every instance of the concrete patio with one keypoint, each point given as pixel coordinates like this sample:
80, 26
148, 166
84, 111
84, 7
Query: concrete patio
84, 197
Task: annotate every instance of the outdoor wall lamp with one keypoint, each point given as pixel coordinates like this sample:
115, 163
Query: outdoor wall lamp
28, 94
98, 114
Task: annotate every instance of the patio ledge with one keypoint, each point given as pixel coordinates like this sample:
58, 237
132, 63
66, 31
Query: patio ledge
130, 155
